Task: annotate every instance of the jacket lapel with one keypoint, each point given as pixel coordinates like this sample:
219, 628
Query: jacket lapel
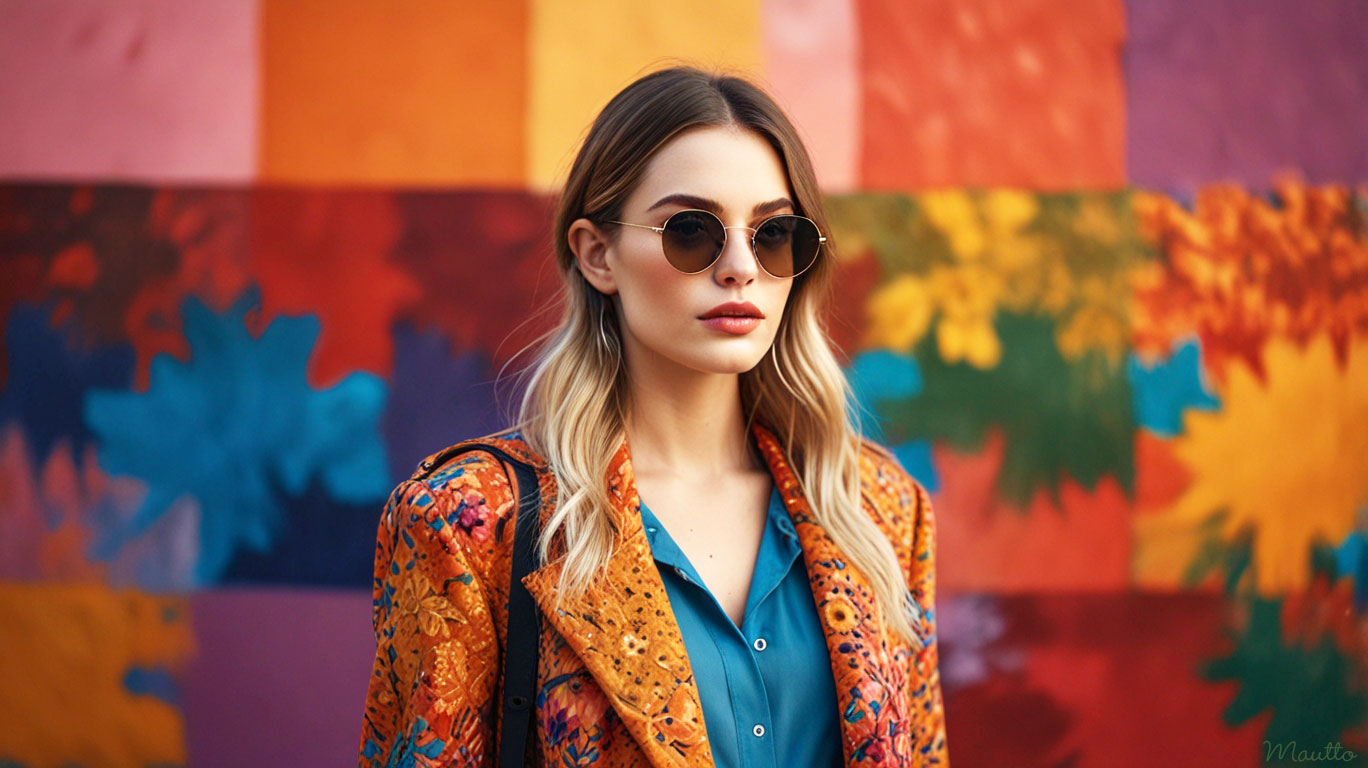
625, 632
870, 684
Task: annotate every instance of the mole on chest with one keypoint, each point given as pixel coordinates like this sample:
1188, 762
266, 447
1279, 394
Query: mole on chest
721, 539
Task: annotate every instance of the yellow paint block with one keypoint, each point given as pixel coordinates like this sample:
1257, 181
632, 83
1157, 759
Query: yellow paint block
1284, 458
69, 672
582, 53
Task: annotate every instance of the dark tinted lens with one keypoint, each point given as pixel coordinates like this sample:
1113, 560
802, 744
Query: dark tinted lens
692, 239
786, 245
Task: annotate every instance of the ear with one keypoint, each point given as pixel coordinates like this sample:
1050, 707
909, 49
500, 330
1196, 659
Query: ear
590, 246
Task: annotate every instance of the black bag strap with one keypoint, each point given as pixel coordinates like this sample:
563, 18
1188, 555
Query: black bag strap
524, 630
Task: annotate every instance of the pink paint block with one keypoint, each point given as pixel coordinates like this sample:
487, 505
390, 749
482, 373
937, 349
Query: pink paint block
141, 90
811, 62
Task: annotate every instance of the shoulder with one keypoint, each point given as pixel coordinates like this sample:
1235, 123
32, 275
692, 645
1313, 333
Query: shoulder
476, 454
466, 491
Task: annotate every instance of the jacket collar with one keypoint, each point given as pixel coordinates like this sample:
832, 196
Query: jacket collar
628, 598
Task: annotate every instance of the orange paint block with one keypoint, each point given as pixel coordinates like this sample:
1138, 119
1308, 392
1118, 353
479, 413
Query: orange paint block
413, 93
992, 93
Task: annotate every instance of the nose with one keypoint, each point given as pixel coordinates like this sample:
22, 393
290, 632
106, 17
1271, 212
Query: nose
738, 261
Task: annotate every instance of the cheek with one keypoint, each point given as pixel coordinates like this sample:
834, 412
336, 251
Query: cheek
656, 270
777, 303
655, 294
783, 297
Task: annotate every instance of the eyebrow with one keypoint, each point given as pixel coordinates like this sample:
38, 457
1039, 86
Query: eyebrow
712, 206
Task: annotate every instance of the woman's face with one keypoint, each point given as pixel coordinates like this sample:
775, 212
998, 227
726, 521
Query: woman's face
733, 173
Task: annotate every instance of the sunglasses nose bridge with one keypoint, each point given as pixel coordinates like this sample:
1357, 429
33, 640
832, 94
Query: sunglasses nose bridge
749, 245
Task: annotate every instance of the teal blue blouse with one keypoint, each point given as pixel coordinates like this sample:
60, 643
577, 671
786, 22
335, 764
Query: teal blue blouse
767, 690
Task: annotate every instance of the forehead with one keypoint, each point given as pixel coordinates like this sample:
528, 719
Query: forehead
735, 167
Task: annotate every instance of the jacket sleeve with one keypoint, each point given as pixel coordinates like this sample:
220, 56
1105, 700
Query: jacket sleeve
431, 696
926, 699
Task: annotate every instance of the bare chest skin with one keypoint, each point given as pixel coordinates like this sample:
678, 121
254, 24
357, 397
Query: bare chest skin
719, 525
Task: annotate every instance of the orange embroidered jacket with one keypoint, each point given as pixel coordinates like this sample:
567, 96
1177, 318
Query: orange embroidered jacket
614, 683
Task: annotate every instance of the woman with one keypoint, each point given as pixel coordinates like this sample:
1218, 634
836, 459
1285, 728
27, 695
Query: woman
751, 582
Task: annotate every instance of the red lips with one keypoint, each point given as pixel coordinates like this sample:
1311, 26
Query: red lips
733, 309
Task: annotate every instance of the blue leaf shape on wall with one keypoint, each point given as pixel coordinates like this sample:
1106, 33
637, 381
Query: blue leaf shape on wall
230, 423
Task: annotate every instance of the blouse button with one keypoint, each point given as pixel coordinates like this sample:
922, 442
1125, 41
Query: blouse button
681, 573
758, 730
759, 643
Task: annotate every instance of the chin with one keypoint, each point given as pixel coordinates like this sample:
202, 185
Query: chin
733, 363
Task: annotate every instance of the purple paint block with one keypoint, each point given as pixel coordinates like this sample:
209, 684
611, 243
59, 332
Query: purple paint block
1243, 90
279, 677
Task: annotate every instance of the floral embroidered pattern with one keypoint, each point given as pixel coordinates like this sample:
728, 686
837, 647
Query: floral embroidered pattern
614, 683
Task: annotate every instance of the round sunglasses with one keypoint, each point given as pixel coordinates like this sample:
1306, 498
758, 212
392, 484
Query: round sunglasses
785, 245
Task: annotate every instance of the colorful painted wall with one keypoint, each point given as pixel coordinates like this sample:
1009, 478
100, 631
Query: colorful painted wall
1105, 291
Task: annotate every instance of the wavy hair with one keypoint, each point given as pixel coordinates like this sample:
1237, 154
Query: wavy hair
574, 400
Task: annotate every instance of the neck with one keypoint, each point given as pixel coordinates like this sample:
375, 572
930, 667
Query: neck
694, 429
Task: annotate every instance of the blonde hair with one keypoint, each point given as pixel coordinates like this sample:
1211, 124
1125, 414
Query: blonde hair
574, 401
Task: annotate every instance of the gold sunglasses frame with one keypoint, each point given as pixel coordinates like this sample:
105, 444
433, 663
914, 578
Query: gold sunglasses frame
753, 230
